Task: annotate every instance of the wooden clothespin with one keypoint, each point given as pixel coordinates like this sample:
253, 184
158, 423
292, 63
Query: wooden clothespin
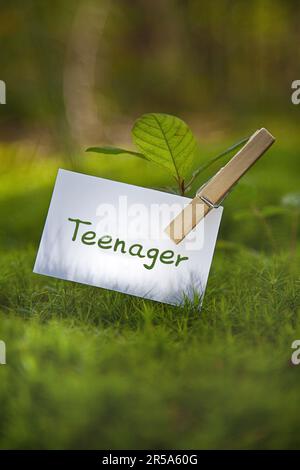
212, 193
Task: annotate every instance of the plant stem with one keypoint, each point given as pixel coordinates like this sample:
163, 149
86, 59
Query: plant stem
212, 161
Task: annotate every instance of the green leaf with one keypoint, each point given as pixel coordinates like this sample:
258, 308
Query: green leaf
115, 151
243, 214
273, 211
267, 211
167, 141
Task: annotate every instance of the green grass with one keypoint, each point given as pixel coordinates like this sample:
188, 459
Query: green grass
90, 368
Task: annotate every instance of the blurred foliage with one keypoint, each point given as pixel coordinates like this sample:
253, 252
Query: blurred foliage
90, 64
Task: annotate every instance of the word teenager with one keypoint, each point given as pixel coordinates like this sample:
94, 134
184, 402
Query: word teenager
106, 242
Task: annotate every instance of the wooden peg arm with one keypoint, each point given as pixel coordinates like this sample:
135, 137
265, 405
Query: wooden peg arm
221, 183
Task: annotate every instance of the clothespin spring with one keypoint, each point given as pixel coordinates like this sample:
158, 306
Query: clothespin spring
206, 200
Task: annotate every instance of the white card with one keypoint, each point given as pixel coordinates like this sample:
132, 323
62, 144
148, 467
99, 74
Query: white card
111, 235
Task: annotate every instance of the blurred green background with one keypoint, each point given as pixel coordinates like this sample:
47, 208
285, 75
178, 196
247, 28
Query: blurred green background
91, 368
85, 69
